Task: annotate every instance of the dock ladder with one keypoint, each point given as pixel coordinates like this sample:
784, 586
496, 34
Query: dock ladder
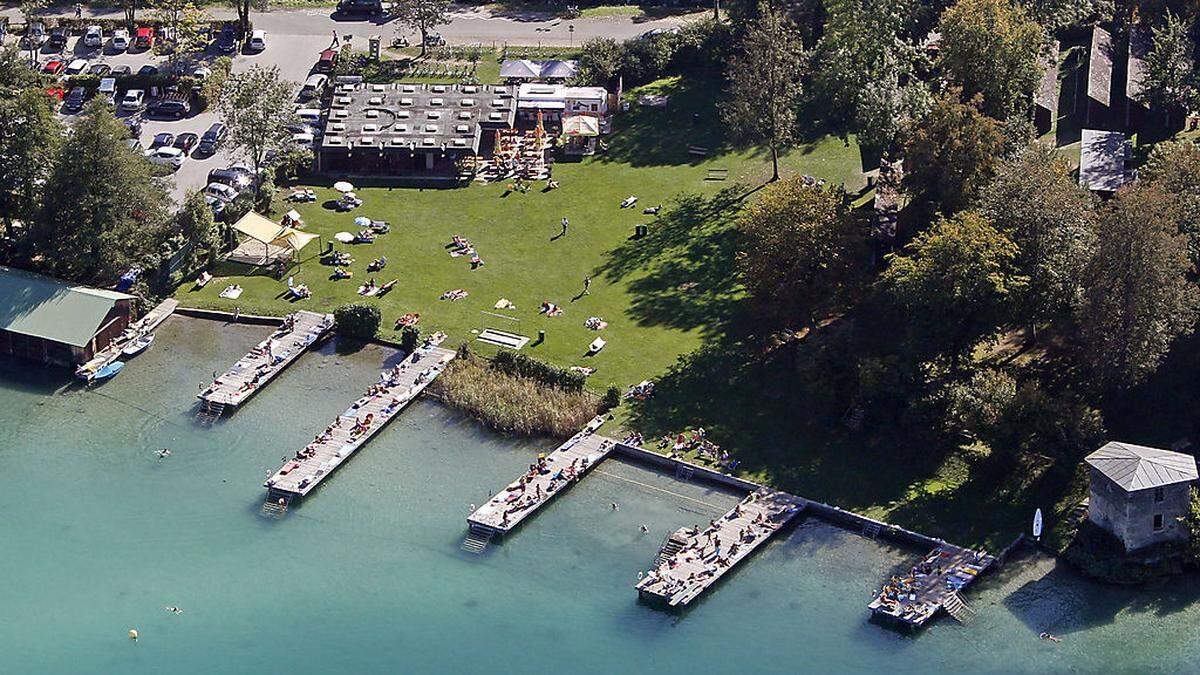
211, 411
672, 544
871, 529
275, 506
684, 472
477, 539
956, 607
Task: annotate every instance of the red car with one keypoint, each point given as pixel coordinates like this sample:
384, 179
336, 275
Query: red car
327, 61
54, 67
143, 38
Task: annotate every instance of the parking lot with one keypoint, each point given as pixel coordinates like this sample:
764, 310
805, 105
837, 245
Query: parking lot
293, 55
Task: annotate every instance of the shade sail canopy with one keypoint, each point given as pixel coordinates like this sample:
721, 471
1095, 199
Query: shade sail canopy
260, 228
581, 125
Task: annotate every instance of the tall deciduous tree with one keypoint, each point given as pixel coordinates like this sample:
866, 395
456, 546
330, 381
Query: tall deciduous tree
185, 21
1171, 82
199, 228
803, 253
1036, 202
1139, 297
867, 69
765, 83
955, 284
423, 16
953, 152
1174, 167
30, 134
108, 212
991, 47
256, 107
599, 62
1057, 14
243, 7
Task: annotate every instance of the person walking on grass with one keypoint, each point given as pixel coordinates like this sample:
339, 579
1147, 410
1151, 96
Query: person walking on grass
565, 223
587, 284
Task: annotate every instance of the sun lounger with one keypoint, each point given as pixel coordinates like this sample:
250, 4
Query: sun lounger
629, 201
597, 345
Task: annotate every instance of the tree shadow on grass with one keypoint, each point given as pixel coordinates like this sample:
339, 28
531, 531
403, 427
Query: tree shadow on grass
682, 273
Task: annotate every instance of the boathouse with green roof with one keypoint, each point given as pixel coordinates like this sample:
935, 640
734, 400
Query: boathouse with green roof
53, 321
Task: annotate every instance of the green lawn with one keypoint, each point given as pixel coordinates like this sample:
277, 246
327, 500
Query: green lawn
662, 296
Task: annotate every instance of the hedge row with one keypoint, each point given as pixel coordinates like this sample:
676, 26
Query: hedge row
520, 365
77, 26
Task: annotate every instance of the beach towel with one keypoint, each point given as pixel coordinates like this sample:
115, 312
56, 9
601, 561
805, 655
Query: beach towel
231, 292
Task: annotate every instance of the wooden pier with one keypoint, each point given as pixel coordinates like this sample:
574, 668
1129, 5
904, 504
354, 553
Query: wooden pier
694, 560
931, 586
143, 326
266, 360
368, 415
544, 481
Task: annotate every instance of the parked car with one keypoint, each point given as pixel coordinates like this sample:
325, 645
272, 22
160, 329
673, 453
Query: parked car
310, 116
143, 38
34, 37
147, 70
54, 67
134, 100
202, 73
162, 139
77, 67
227, 41
75, 100
93, 37
217, 205
120, 40
212, 139
134, 125
185, 142
175, 106
303, 139
100, 69
166, 156
221, 191
327, 61
108, 90
119, 70
360, 7
257, 41
235, 179
434, 40
313, 87
58, 38
134, 144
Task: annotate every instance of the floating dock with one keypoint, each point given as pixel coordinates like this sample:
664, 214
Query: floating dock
698, 558
330, 449
268, 358
930, 586
554, 472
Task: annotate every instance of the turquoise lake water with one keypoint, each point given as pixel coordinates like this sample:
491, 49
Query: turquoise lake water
98, 536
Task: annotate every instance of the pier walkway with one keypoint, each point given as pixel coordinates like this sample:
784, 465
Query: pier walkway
931, 585
354, 427
137, 329
553, 472
701, 557
268, 358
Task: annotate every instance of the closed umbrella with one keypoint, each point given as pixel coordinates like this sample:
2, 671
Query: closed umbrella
344, 237
343, 186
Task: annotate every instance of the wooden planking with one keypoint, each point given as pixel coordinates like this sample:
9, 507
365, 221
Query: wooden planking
527, 494
925, 594
397, 387
683, 576
267, 359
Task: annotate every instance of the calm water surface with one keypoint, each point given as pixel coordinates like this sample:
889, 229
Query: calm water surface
97, 536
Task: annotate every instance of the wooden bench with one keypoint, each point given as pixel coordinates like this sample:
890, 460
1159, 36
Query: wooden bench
698, 150
717, 174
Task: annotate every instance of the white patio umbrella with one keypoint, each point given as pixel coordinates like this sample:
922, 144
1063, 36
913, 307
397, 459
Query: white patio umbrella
343, 186
362, 221
344, 237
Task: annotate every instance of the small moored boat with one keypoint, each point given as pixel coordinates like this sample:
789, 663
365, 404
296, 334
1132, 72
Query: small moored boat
108, 371
138, 345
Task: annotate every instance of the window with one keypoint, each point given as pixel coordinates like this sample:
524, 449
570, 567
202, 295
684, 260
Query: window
1159, 495
1158, 521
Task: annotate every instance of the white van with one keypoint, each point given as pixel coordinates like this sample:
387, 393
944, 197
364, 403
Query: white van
311, 116
313, 86
108, 89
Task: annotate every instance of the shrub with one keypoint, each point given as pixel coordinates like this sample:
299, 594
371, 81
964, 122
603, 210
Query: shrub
410, 337
612, 398
357, 320
520, 365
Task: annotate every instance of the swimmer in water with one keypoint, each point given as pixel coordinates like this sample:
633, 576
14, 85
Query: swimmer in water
644, 529
614, 506
174, 610
1047, 636
163, 453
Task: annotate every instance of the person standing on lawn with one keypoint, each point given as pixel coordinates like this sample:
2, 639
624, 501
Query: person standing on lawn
587, 284
565, 223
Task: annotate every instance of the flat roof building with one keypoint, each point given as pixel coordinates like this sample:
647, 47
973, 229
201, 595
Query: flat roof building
1102, 156
53, 321
411, 129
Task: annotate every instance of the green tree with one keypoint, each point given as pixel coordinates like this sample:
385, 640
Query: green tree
765, 84
1139, 297
186, 23
256, 107
1037, 203
599, 62
1174, 167
1058, 14
358, 320
802, 254
866, 70
15, 72
1171, 82
955, 283
991, 47
195, 222
953, 152
30, 10
108, 213
243, 7
30, 135
130, 7
423, 16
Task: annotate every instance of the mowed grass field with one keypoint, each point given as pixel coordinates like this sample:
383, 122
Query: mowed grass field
662, 296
